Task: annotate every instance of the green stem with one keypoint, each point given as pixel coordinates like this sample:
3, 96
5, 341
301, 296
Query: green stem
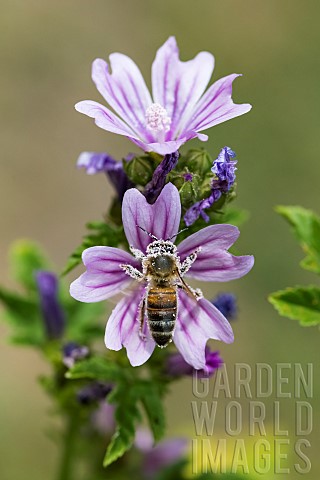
65, 469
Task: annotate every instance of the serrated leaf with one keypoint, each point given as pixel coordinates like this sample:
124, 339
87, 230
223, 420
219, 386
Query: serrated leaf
101, 234
127, 416
298, 303
306, 225
26, 258
149, 395
127, 398
96, 368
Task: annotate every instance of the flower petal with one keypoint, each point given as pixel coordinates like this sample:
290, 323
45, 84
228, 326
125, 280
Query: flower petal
197, 322
216, 105
123, 330
164, 148
104, 118
161, 219
124, 89
104, 277
213, 262
176, 85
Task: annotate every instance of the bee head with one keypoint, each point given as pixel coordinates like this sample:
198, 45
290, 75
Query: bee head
161, 247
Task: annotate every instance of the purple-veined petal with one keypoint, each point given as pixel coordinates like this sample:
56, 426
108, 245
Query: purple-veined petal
176, 85
197, 322
123, 329
222, 267
216, 105
161, 219
104, 277
124, 89
104, 118
213, 262
164, 148
169, 146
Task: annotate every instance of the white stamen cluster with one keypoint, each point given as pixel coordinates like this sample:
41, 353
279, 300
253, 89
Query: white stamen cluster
157, 118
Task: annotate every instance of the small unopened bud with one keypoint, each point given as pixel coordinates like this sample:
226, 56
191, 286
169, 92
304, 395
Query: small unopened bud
188, 193
198, 160
139, 169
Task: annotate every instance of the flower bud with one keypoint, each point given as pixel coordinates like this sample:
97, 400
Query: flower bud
199, 160
189, 192
72, 352
52, 312
93, 392
140, 169
226, 303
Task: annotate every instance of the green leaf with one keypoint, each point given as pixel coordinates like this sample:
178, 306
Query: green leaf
96, 368
26, 258
306, 225
150, 397
84, 320
152, 403
23, 315
299, 303
127, 415
174, 471
100, 233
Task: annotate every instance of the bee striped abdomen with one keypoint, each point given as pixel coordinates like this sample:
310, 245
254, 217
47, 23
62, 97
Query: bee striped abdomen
162, 313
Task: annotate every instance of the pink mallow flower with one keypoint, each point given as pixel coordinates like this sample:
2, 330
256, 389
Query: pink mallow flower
133, 323
178, 109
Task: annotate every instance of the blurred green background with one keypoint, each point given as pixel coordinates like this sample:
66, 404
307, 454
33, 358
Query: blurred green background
46, 50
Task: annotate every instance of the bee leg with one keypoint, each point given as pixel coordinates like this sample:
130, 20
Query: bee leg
187, 262
192, 292
137, 253
142, 318
132, 272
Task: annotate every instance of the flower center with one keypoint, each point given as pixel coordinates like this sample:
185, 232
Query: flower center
157, 118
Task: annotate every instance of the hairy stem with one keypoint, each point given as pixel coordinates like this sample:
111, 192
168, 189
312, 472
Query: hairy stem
68, 447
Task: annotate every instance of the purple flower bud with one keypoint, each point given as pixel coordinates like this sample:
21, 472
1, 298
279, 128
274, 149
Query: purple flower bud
155, 186
52, 312
176, 366
227, 304
93, 392
188, 177
194, 212
95, 162
162, 455
72, 352
224, 168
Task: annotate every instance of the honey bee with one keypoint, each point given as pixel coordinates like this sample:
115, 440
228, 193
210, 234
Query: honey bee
163, 274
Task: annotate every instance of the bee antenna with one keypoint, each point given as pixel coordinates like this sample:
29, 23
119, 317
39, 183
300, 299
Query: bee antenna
176, 234
148, 233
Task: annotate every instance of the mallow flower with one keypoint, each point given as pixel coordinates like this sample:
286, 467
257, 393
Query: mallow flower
202, 256
178, 109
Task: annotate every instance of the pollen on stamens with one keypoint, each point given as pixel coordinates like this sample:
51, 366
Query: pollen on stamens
157, 119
